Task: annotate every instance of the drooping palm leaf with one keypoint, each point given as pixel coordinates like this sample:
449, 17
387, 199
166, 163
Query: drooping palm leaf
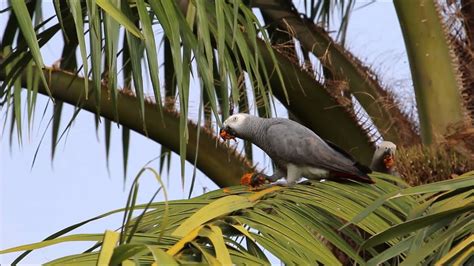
322, 12
293, 97
107, 20
162, 128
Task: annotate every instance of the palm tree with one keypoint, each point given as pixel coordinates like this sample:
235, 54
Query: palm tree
240, 59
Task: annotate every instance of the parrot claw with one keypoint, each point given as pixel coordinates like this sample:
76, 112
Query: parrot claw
281, 183
253, 180
258, 180
307, 182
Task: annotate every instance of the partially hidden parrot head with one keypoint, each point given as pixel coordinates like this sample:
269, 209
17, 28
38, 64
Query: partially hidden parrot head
387, 150
232, 126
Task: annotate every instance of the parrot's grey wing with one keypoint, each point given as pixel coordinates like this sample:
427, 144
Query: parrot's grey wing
339, 149
298, 145
361, 167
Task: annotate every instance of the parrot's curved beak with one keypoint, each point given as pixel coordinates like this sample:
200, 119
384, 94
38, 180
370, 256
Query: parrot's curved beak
389, 159
226, 133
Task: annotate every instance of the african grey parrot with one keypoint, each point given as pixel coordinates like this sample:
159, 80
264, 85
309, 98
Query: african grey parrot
296, 150
384, 158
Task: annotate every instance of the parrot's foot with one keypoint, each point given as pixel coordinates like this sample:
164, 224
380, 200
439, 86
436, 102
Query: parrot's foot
281, 183
305, 182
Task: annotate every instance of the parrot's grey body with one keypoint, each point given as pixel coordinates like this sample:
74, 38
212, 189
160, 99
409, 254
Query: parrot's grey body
296, 150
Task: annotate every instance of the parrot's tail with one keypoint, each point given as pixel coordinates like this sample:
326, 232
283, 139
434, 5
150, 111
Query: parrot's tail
363, 178
360, 174
363, 171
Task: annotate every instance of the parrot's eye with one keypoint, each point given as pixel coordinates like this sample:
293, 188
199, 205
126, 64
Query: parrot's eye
234, 119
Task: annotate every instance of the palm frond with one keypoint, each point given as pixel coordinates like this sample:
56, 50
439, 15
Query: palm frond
190, 34
162, 127
322, 12
294, 224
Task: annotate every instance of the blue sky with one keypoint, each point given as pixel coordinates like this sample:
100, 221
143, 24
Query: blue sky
38, 201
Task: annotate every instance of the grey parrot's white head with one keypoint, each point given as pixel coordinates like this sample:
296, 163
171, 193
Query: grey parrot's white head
386, 147
384, 156
234, 126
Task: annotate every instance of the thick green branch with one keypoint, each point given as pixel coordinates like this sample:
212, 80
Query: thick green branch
433, 69
387, 117
215, 159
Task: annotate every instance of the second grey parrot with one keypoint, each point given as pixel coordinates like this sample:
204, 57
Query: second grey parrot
295, 149
384, 158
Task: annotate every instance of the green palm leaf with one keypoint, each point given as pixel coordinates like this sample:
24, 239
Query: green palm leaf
295, 224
